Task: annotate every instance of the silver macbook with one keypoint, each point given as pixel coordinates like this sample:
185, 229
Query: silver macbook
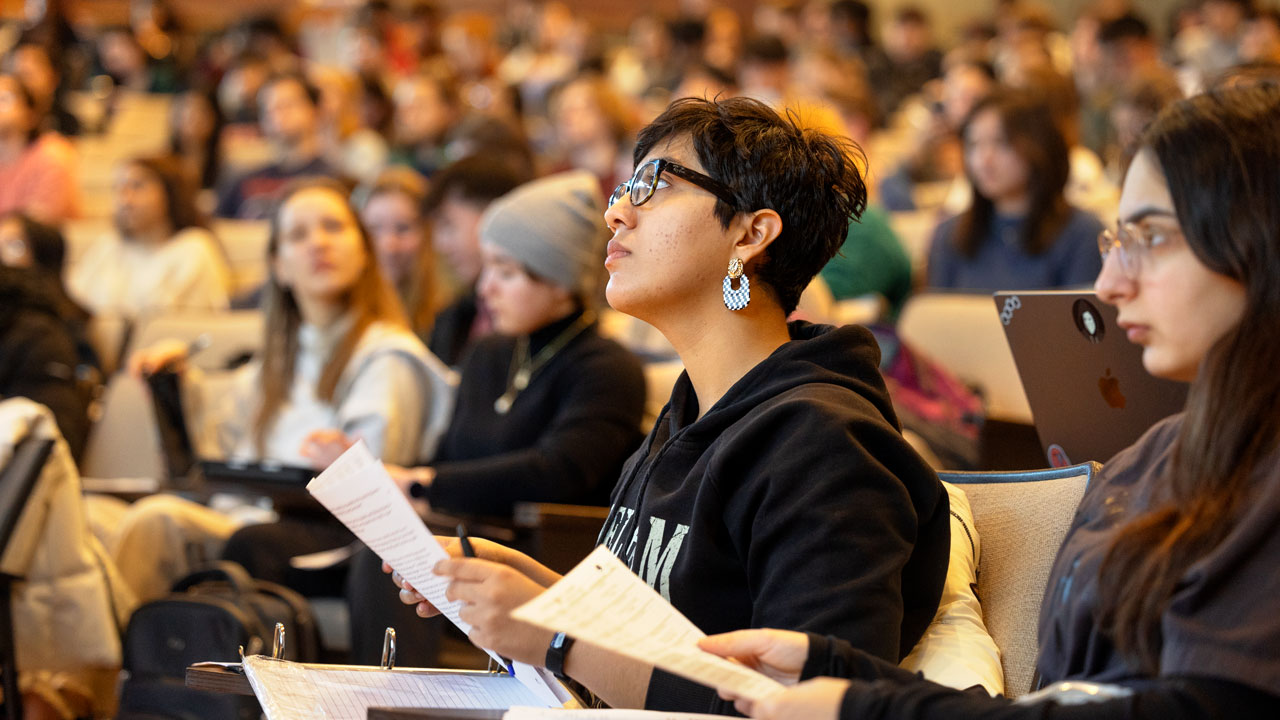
1088, 392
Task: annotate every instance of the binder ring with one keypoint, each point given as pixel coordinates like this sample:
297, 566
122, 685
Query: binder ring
389, 649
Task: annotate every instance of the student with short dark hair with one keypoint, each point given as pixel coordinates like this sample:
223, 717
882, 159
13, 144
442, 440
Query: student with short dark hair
775, 486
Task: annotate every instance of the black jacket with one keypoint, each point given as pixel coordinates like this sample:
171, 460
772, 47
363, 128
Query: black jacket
564, 439
451, 332
793, 503
881, 691
38, 355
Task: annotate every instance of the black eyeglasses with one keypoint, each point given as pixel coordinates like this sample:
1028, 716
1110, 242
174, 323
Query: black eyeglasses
642, 185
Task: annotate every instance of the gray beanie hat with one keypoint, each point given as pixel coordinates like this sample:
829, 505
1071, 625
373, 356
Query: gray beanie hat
554, 226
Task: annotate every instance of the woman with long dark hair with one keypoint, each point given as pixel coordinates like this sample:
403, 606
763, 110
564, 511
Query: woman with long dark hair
1165, 583
1019, 232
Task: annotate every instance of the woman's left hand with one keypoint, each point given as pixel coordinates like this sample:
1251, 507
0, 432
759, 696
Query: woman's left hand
816, 699
779, 654
489, 592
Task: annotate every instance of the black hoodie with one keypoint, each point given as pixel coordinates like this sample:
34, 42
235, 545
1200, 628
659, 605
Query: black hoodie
793, 503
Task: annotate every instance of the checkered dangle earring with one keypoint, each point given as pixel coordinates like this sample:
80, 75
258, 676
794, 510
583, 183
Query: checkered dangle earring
740, 298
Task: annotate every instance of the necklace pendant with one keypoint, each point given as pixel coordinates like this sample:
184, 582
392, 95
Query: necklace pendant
521, 380
503, 404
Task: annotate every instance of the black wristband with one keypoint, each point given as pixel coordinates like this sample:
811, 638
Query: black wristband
556, 653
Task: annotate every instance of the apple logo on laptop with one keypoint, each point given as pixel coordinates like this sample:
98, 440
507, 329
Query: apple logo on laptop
1110, 387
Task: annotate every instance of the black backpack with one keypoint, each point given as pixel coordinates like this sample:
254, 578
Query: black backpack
209, 616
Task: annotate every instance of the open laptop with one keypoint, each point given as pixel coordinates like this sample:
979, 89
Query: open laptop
1088, 391
283, 483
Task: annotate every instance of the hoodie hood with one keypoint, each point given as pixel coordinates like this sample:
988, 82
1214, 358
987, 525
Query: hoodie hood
846, 357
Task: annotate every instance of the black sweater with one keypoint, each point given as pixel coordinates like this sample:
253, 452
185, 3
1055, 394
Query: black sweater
38, 355
882, 691
794, 502
564, 439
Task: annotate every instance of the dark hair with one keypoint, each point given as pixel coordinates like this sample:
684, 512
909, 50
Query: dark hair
810, 178
719, 75
45, 243
851, 10
1059, 94
22, 292
372, 90
1030, 129
911, 15
1246, 6
1150, 92
493, 136
48, 250
1220, 153
443, 82
1125, 27
212, 165
308, 88
766, 49
687, 32
180, 197
57, 111
856, 14
24, 94
478, 179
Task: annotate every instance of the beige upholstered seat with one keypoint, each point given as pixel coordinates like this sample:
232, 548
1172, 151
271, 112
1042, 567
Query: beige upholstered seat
1022, 518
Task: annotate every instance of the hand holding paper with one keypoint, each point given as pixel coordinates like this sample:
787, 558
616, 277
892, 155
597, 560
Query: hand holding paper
358, 491
602, 602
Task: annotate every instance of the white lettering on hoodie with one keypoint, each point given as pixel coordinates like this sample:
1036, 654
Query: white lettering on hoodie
660, 553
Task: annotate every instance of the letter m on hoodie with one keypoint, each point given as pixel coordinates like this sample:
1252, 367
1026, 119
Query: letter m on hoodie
659, 557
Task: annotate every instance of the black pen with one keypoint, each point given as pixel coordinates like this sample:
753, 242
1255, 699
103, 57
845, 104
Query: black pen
468, 551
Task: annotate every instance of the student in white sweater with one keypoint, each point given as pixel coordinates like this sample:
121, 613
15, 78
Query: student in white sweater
160, 257
337, 358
